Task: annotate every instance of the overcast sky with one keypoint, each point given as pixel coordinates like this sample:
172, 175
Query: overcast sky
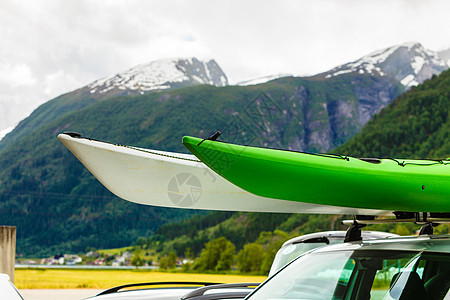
50, 47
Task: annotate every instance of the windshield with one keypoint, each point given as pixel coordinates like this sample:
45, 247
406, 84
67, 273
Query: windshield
289, 252
362, 274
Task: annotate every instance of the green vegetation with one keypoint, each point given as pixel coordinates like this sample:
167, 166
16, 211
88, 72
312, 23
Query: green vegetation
255, 256
415, 125
218, 255
111, 252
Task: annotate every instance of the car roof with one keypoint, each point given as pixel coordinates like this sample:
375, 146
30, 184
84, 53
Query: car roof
429, 243
210, 291
154, 293
153, 290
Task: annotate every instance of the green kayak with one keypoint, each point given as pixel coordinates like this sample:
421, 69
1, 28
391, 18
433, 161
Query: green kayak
386, 184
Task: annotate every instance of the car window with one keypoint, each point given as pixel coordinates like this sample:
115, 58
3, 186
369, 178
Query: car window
361, 274
317, 278
425, 277
389, 282
340, 275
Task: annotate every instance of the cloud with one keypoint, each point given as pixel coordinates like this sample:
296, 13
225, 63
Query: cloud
5, 132
18, 75
51, 47
58, 83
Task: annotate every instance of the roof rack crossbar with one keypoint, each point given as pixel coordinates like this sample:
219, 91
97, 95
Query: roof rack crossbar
428, 220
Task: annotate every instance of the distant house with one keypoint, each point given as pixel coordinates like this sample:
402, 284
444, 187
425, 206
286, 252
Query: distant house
58, 259
72, 259
120, 259
50, 261
100, 262
29, 262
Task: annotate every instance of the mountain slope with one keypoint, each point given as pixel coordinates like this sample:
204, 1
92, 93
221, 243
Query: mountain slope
415, 125
46, 113
154, 76
408, 64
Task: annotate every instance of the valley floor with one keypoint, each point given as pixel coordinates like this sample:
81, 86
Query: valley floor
30, 279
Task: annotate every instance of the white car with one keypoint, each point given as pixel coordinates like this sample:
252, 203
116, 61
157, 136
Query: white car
405, 268
302, 244
177, 291
8, 290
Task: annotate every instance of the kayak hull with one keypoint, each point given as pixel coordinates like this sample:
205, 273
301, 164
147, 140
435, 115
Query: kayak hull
381, 184
168, 179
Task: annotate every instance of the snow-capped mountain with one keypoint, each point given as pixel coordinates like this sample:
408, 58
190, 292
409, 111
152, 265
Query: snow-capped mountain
409, 63
161, 75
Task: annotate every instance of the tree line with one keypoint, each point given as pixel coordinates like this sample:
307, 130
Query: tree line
220, 254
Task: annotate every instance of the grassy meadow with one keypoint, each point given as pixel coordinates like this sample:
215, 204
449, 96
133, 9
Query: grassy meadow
103, 279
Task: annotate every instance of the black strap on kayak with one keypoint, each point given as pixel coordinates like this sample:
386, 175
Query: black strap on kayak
72, 134
213, 137
431, 163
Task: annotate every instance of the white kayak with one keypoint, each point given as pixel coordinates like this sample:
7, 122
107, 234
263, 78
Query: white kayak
168, 179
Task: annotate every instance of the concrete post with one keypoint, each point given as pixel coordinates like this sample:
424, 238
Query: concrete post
7, 250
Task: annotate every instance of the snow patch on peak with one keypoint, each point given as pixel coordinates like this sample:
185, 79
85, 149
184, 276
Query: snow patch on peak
162, 74
417, 64
410, 63
409, 80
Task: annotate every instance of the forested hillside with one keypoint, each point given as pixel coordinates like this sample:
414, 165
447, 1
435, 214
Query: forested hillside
415, 125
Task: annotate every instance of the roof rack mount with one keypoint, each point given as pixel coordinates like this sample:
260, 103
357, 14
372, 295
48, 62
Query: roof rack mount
200, 292
429, 221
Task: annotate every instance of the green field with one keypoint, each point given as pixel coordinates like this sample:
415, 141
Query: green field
103, 279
